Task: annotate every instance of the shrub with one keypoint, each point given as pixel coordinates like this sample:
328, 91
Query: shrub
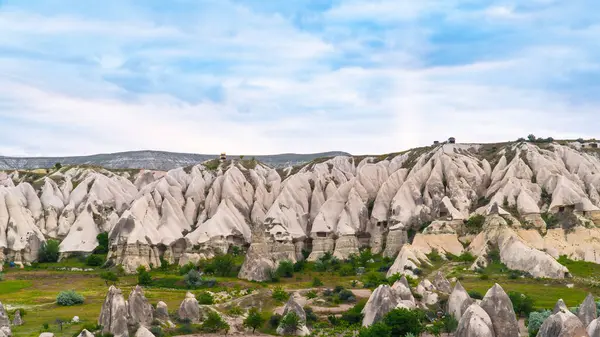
474, 224
450, 324
94, 260
69, 298
183, 270
484, 277
535, 321
354, 316
374, 279
254, 320
274, 321
317, 282
205, 298
193, 279
475, 295
285, 269
290, 323
157, 331
144, 277
49, 251
223, 265
522, 304
347, 270
376, 330
403, 321
346, 296
311, 295
434, 256
280, 295
235, 311
311, 317
299, 266
102, 244
109, 276
214, 323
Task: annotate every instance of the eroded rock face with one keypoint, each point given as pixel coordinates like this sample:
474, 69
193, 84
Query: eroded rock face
587, 310
143, 332
293, 306
113, 316
258, 264
594, 328
17, 320
4, 320
162, 311
402, 290
459, 301
475, 322
140, 310
498, 306
562, 324
189, 309
382, 301
85, 333
442, 284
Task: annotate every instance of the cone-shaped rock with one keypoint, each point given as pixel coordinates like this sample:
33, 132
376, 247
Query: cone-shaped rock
162, 311
498, 306
562, 324
441, 283
4, 321
560, 305
293, 307
594, 328
140, 310
189, 309
459, 301
85, 333
475, 322
402, 290
382, 301
587, 310
143, 332
258, 264
17, 320
113, 316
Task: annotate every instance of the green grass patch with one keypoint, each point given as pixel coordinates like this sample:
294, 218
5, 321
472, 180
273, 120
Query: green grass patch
7, 287
580, 268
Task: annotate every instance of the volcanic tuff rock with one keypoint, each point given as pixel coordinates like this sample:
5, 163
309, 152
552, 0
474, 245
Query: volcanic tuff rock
293, 307
143, 332
587, 310
113, 316
17, 320
382, 301
189, 309
498, 306
594, 328
4, 320
85, 333
459, 301
140, 310
335, 205
562, 323
475, 322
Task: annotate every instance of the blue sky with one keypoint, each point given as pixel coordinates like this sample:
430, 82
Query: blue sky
270, 76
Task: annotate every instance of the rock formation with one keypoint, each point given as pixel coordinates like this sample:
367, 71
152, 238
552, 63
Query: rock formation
442, 284
594, 328
382, 301
162, 311
587, 310
293, 307
17, 320
140, 310
402, 290
85, 333
459, 301
189, 309
258, 264
475, 322
113, 316
498, 306
562, 323
4, 320
143, 332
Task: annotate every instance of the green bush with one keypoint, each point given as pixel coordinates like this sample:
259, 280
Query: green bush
474, 224
223, 265
435, 256
254, 320
183, 270
347, 270
290, 323
376, 330
374, 279
346, 295
69, 298
102, 244
193, 279
317, 282
285, 269
522, 304
94, 260
311, 317
535, 321
475, 295
354, 316
144, 277
49, 251
214, 323
109, 277
205, 298
280, 295
157, 331
403, 321
311, 294
274, 321
450, 324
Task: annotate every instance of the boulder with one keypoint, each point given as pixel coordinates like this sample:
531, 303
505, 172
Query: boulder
143, 332
113, 316
46, 334
587, 310
4, 321
85, 333
562, 324
382, 301
402, 290
293, 307
498, 306
475, 322
140, 310
162, 311
189, 309
17, 320
594, 328
442, 284
459, 301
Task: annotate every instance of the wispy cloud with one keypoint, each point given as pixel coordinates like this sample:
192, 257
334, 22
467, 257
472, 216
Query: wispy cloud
264, 77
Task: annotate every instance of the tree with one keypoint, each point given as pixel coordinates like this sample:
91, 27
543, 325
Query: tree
436, 328
254, 320
280, 295
57, 166
522, 304
535, 321
214, 323
102, 244
376, 330
223, 265
144, 277
109, 276
403, 321
354, 316
290, 323
94, 260
49, 251
285, 269
205, 298
193, 279
531, 138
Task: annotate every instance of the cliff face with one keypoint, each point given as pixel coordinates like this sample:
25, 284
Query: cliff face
538, 200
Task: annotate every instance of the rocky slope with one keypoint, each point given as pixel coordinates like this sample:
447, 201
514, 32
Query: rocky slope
152, 160
535, 201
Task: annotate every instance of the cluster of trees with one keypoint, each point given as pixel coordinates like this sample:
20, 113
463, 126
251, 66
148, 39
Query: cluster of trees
533, 139
403, 322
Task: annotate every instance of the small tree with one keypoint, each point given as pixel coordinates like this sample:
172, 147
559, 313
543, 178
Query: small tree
376, 330
254, 320
223, 265
144, 277
280, 295
285, 269
109, 276
94, 260
214, 323
49, 251
403, 321
57, 166
193, 279
69, 298
522, 304
205, 298
102, 244
290, 323
531, 138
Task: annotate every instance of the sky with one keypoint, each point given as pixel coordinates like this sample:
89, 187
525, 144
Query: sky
271, 76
